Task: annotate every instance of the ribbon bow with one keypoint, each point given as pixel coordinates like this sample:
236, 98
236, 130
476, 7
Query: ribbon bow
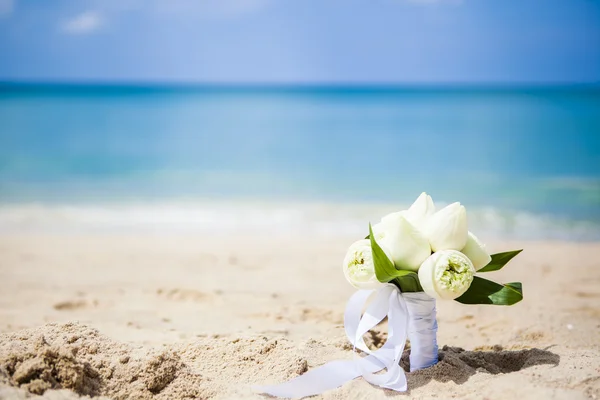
388, 302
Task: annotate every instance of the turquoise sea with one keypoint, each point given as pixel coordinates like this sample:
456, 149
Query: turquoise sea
525, 161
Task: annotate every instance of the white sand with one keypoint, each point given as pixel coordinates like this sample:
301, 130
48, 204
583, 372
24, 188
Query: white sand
200, 317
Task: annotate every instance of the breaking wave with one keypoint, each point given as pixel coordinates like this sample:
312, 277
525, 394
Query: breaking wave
325, 219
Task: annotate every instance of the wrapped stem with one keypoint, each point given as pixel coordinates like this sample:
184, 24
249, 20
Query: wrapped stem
422, 330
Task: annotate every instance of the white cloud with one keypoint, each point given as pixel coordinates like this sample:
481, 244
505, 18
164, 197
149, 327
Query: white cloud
178, 9
6, 7
84, 23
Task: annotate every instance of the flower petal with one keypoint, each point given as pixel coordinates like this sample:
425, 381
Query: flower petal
476, 252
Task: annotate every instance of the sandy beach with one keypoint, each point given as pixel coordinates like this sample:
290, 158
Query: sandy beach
186, 187
207, 317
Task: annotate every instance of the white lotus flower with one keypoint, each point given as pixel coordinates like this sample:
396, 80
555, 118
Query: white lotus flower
417, 213
359, 268
476, 252
446, 274
421, 209
447, 228
407, 246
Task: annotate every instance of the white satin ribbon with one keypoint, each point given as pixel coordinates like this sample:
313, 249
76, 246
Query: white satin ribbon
388, 302
422, 330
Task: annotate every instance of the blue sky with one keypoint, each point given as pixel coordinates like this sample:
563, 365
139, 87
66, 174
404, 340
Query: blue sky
301, 41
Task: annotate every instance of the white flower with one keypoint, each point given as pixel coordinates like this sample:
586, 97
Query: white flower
417, 213
420, 210
407, 246
359, 268
476, 252
446, 275
447, 228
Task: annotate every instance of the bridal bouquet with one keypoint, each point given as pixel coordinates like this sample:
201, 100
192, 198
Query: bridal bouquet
408, 261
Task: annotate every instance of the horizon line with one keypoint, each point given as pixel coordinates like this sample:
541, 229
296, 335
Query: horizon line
316, 85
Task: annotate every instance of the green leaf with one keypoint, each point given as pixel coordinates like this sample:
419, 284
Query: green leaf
408, 283
384, 267
483, 291
499, 260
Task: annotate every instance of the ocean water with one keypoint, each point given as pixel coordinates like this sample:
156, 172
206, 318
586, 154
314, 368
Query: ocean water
526, 162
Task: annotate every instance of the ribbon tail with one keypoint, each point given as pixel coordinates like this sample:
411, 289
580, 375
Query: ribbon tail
392, 350
329, 376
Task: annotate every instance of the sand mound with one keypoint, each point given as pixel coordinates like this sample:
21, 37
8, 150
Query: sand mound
78, 358
75, 357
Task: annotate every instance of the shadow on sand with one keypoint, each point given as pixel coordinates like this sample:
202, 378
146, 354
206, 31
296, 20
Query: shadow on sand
458, 365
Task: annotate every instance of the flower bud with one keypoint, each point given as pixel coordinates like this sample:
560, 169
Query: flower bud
447, 228
420, 210
446, 274
417, 213
407, 246
359, 268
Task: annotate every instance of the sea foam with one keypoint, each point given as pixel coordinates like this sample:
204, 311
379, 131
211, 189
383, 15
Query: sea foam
212, 217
